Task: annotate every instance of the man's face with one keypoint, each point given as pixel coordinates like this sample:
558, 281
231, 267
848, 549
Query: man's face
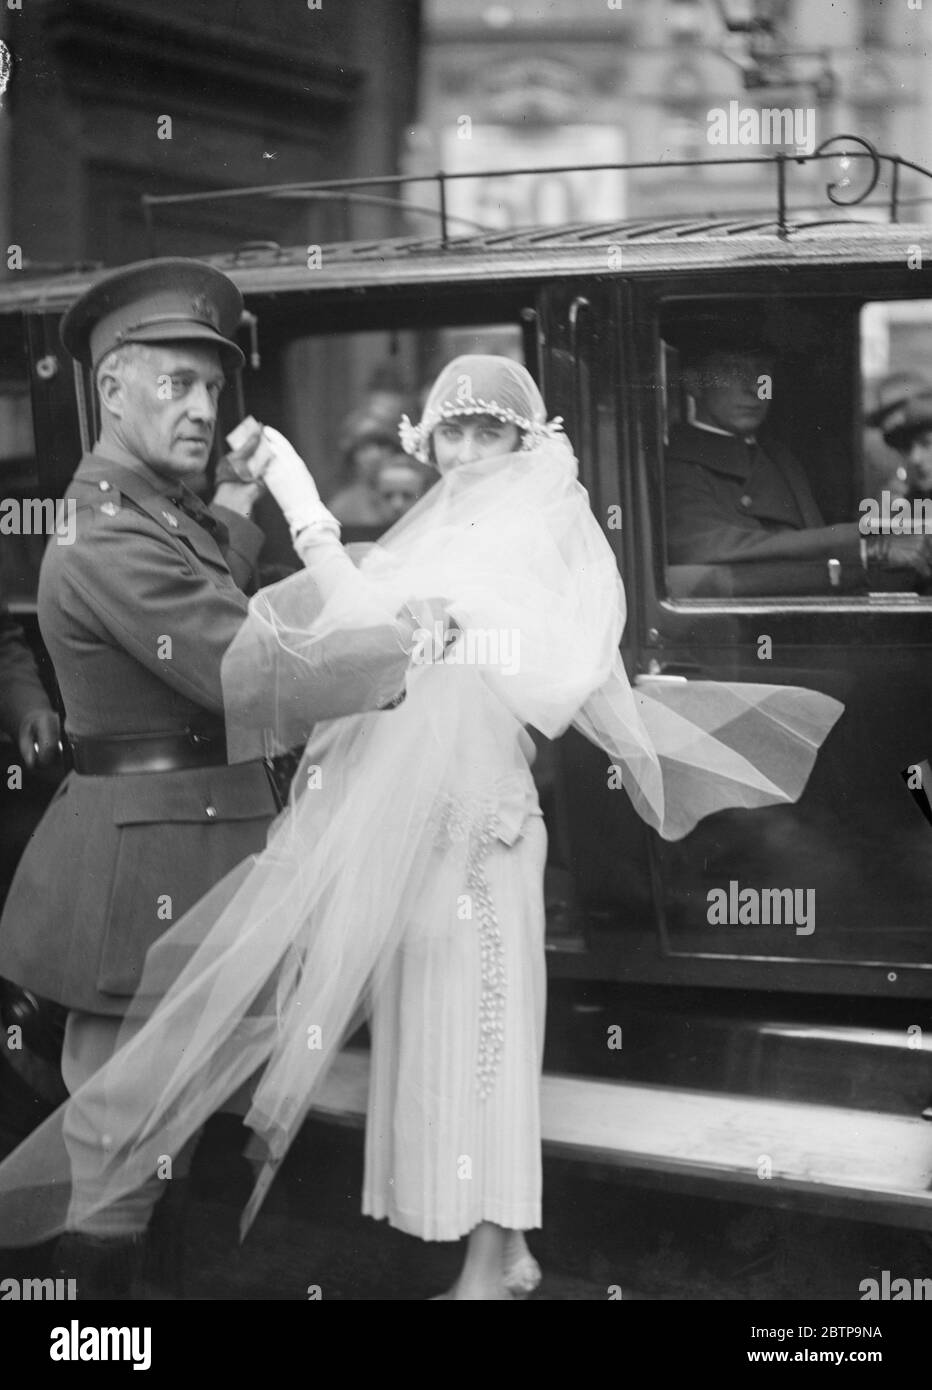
919, 461
166, 406
399, 487
726, 387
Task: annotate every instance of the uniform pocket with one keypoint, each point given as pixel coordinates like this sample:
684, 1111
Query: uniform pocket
176, 841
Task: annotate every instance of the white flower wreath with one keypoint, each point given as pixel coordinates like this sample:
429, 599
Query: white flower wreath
415, 439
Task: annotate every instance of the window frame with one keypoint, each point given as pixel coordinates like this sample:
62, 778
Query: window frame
730, 621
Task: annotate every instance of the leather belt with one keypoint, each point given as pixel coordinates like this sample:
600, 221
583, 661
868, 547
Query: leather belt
130, 753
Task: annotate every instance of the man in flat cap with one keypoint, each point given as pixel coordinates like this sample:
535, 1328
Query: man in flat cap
732, 498
137, 615
906, 426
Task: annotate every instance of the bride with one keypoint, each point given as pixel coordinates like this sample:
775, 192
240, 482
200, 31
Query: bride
406, 874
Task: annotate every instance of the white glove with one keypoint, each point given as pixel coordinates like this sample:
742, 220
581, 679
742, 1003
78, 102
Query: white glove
433, 629
286, 476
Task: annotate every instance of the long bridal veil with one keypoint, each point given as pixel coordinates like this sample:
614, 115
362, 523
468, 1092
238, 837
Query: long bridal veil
259, 982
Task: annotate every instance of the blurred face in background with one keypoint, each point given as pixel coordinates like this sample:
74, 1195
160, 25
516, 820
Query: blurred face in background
399, 485
367, 456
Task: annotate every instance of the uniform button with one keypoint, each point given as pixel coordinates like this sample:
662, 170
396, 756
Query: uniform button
109, 508
104, 485
172, 520
210, 811
746, 500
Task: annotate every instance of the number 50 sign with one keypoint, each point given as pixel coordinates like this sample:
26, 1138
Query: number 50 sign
509, 200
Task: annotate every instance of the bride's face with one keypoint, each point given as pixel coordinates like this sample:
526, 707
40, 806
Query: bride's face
466, 438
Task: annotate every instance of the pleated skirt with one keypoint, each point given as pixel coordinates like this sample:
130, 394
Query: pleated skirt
453, 1125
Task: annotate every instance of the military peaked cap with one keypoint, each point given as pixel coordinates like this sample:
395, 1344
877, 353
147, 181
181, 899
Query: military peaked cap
161, 301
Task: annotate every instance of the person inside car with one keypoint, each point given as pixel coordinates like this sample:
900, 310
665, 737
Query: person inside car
357, 503
732, 497
400, 482
910, 433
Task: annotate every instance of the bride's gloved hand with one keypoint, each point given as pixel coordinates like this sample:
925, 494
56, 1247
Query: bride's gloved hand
269, 456
287, 478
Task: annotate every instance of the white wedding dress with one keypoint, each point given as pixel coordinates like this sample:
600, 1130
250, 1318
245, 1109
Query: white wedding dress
453, 1127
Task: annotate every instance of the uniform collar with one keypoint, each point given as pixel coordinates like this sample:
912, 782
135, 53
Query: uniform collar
101, 480
137, 481
729, 434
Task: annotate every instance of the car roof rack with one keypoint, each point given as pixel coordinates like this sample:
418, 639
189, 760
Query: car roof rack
842, 192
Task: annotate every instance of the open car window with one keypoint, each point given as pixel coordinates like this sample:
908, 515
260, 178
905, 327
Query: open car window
339, 397
775, 464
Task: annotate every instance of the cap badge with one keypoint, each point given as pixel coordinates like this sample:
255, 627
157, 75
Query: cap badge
204, 309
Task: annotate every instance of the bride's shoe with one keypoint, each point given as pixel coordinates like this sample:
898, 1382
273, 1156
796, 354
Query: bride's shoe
522, 1273
523, 1277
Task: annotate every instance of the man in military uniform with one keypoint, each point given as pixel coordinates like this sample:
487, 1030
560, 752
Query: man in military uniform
137, 615
732, 498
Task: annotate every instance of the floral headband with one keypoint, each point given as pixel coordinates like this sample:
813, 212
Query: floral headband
415, 439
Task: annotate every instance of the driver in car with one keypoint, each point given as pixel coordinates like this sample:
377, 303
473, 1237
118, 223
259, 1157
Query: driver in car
730, 498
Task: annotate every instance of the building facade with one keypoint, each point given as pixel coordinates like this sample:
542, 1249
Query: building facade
110, 99
526, 83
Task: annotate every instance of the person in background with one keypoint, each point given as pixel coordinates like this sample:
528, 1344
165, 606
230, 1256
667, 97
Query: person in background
733, 497
400, 482
909, 432
358, 503
26, 713
884, 464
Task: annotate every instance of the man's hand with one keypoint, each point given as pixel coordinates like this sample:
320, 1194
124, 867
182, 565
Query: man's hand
238, 486
249, 453
39, 738
905, 552
237, 497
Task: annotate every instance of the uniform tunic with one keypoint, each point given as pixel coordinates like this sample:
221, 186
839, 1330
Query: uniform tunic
725, 496
136, 615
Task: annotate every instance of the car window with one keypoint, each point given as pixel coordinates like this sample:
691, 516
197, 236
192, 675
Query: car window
339, 398
896, 422
772, 452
